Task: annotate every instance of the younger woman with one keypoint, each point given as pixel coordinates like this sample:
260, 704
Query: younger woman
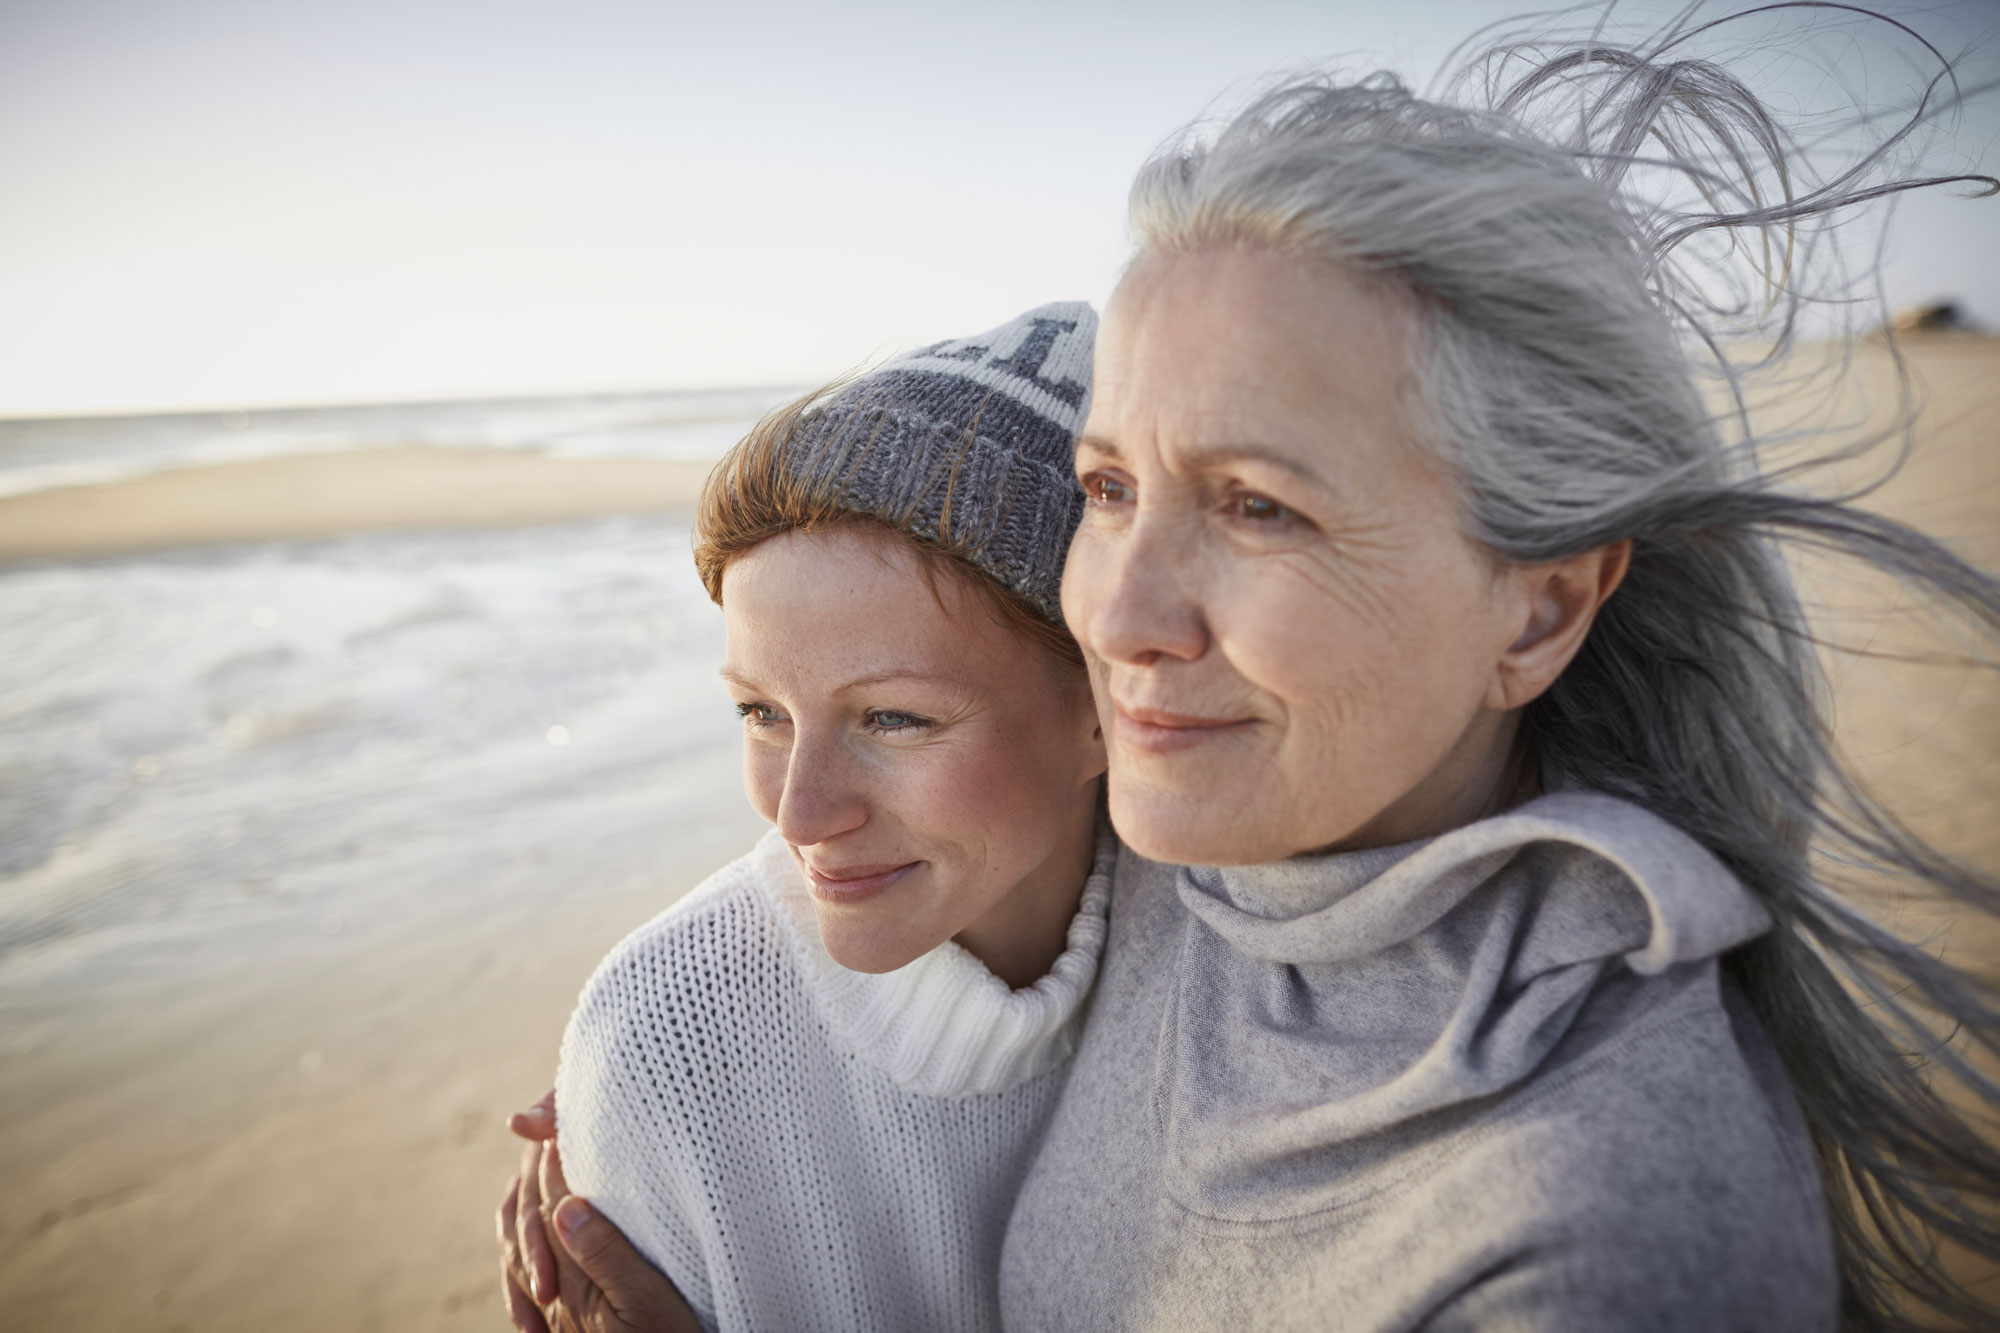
809, 1091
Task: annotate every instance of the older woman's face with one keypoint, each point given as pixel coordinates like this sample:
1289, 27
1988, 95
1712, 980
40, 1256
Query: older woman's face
1292, 644
929, 770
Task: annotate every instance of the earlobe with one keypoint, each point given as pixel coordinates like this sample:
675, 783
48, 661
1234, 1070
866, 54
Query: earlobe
1100, 758
1562, 602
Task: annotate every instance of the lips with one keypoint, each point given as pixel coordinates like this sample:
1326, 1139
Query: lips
1162, 731
855, 883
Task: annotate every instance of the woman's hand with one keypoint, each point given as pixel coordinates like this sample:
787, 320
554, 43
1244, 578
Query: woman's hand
591, 1280
525, 1250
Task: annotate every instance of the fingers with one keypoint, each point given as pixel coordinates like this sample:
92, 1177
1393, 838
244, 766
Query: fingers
521, 1311
580, 1294
503, 1217
637, 1293
536, 1255
538, 1122
593, 1246
554, 1187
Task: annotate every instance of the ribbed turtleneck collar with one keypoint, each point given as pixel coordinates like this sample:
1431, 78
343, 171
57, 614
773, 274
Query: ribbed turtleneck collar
1331, 1013
1341, 906
943, 1025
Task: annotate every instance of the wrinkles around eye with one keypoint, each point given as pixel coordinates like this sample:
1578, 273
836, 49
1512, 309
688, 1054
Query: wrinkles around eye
1101, 488
876, 721
889, 722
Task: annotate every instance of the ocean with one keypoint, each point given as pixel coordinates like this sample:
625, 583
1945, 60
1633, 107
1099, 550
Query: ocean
41, 453
211, 758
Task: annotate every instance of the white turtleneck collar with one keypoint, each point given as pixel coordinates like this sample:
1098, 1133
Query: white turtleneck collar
943, 1025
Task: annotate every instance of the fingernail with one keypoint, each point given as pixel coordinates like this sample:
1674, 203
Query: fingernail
536, 1112
571, 1216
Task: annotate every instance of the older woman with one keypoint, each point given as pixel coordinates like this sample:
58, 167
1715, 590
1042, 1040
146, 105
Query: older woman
1433, 627
808, 1091
1467, 965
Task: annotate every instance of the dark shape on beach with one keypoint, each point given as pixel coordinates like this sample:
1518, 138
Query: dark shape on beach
1938, 317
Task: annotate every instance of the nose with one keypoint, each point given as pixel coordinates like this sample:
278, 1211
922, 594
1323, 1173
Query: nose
1130, 593
823, 796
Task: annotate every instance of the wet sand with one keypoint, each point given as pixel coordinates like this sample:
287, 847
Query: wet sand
325, 1154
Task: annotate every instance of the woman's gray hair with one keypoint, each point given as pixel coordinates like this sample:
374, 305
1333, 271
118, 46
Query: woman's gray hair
1586, 229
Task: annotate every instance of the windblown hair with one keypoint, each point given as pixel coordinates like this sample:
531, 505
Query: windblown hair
1582, 229
757, 492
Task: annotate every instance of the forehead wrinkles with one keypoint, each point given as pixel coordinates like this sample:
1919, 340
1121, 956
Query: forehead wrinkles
1319, 356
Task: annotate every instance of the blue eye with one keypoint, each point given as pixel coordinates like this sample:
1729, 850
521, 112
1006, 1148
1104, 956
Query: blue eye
884, 720
758, 715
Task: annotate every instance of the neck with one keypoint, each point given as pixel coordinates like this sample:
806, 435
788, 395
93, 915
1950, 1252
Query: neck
1024, 934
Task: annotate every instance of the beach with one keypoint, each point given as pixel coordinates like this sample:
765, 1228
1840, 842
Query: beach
326, 774
325, 780
320, 495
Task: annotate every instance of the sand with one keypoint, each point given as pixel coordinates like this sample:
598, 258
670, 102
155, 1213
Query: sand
320, 1153
326, 1154
313, 495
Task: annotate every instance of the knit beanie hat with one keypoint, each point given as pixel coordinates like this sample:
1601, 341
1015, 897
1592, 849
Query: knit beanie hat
967, 444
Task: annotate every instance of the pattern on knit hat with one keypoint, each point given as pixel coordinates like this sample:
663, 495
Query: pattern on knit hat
966, 443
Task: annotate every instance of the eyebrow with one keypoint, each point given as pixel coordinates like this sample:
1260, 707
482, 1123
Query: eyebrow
877, 678
1207, 455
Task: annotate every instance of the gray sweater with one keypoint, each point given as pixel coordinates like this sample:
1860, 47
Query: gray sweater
1490, 1081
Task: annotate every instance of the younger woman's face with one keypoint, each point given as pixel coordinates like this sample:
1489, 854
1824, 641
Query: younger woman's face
927, 765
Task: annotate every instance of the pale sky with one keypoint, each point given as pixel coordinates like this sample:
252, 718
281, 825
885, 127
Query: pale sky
252, 202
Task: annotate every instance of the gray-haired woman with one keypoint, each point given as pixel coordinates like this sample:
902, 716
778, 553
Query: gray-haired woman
1440, 632
1434, 625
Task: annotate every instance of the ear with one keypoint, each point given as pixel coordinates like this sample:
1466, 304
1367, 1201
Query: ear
1560, 603
1096, 758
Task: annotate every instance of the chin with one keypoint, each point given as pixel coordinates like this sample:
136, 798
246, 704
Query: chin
1187, 830
1203, 829
867, 951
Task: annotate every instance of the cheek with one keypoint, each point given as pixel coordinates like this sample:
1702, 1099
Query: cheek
763, 777
1004, 796
1100, 690
981, 792
1082, 571
1316, 643
1393, 648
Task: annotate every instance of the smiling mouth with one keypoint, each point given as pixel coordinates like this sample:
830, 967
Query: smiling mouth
856, 884
1160, 731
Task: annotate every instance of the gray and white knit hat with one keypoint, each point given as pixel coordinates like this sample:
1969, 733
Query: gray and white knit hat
967, 443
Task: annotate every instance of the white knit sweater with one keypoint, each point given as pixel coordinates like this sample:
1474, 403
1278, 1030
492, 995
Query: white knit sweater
800, 1146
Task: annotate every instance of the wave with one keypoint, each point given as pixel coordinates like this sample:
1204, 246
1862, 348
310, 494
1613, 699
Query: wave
46, 453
